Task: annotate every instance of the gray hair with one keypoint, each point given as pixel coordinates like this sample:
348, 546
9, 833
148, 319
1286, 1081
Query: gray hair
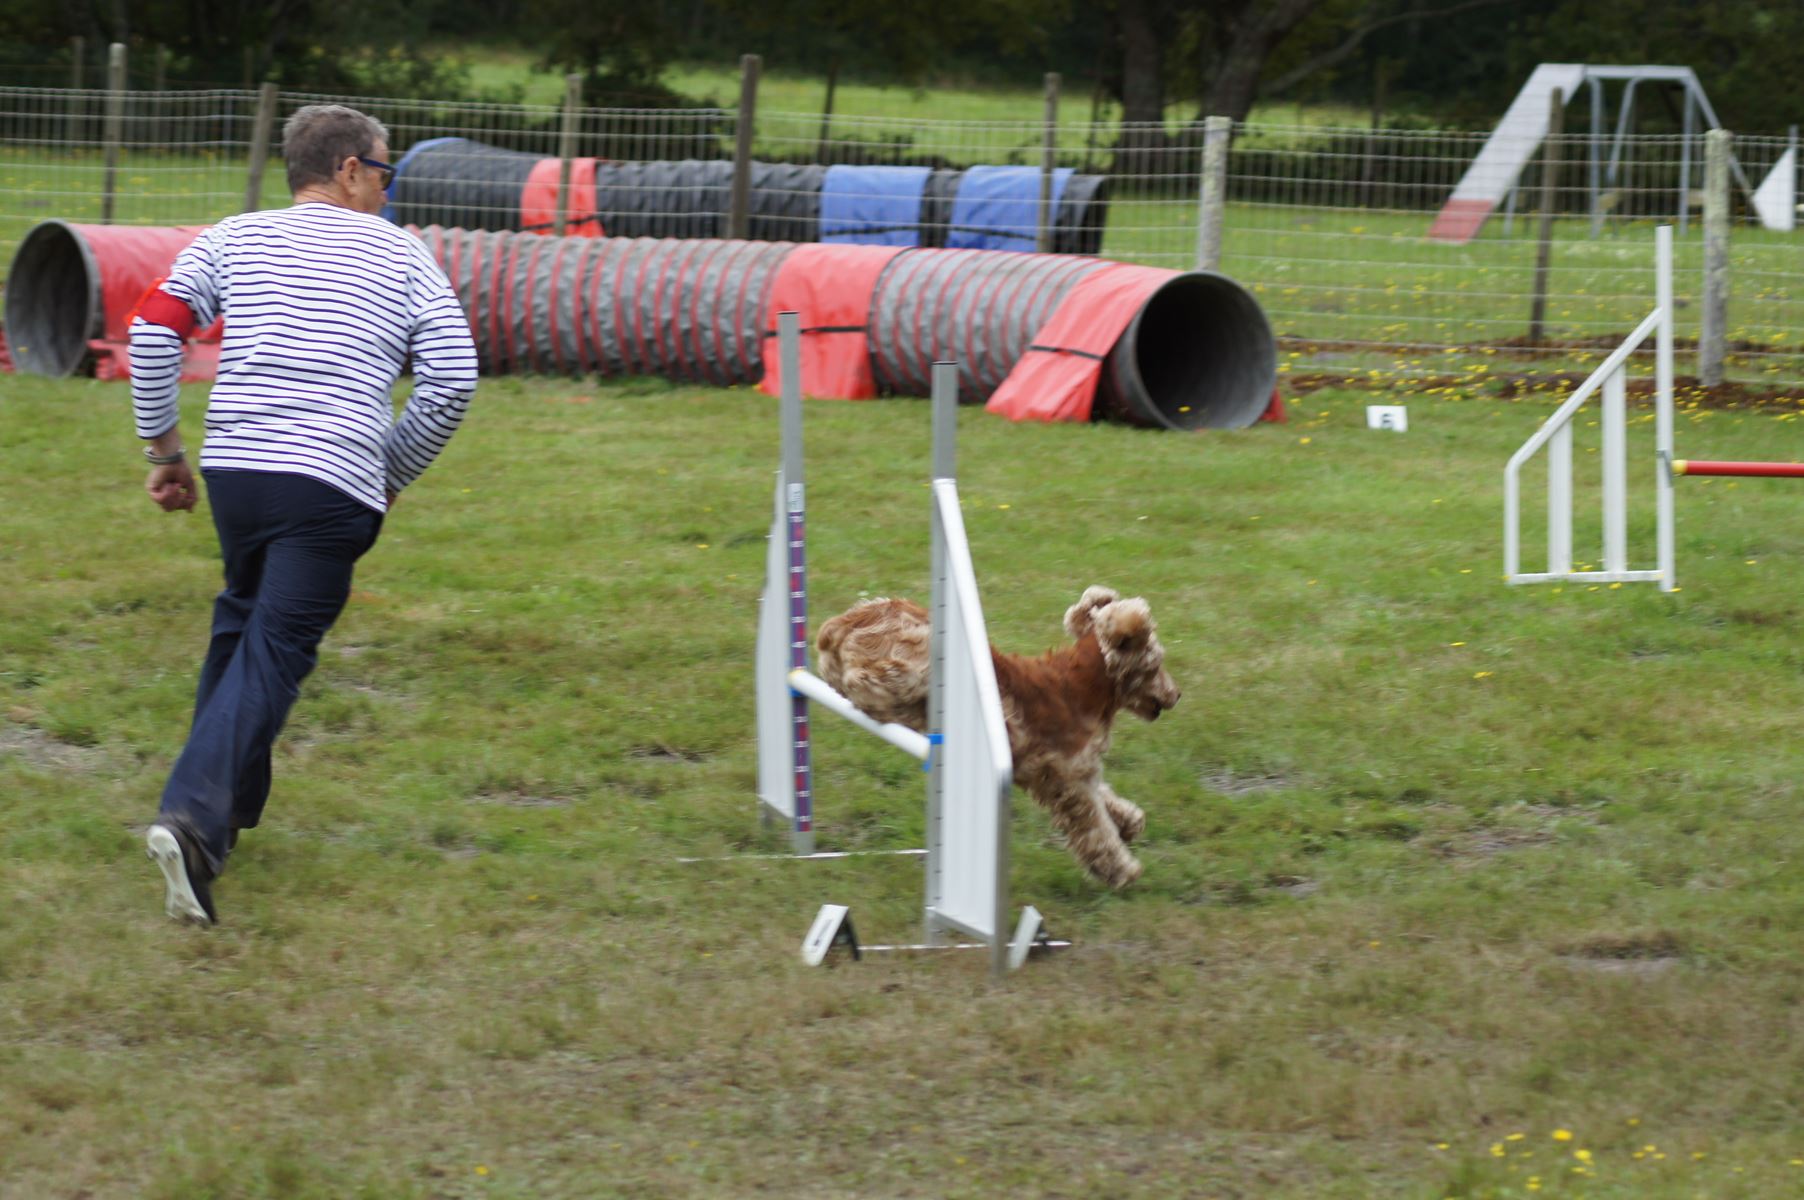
318, 138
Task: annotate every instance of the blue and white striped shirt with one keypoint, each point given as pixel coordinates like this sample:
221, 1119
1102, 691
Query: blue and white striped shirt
324, 308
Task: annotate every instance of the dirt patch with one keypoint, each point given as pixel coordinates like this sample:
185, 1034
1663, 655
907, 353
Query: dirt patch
41, 750
666, 754
1488, 843
1631, 947
1640, 955
520, 800
1640, 968
1527, 826
1229, 783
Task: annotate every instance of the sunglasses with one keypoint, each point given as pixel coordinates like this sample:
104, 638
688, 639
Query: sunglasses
387, 172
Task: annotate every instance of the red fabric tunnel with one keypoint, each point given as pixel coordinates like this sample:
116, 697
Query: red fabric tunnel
73, 289
1056, 379
830, 288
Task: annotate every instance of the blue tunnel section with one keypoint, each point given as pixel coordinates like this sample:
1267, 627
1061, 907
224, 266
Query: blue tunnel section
873, 206
998, 208
459, 183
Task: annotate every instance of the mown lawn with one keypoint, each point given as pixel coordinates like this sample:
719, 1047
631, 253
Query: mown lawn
1451, 889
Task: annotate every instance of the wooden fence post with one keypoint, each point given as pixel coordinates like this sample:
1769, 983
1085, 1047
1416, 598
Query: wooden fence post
114, 129
1712, 336
78, 53
1550, 183
739, 201
1049, 150
262, 128
1213, 205
566, 149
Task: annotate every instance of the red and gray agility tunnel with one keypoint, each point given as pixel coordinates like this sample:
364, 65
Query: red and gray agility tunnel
463, 184
72, 291
1037, 336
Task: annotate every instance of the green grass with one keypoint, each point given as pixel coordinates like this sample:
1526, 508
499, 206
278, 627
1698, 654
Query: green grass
1432, 861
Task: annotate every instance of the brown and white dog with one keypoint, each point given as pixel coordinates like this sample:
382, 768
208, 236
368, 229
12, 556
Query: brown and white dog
1060, 706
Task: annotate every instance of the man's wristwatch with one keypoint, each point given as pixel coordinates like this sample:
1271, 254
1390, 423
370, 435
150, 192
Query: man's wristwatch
163, 460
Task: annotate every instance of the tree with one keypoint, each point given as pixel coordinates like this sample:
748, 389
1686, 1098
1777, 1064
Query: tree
347, 46
890, 40
620, 47
1748, 56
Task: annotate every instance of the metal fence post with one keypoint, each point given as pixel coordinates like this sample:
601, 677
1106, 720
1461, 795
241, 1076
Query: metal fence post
261, 128
1715, 322
739, 204
1048, 159
1550, 183
566, 149
1217, 132
115, 127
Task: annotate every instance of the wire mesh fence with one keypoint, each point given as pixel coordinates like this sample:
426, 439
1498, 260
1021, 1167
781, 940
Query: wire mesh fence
1333, 228
180, 161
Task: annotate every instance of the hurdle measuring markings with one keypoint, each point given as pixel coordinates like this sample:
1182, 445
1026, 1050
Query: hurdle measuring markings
966, 757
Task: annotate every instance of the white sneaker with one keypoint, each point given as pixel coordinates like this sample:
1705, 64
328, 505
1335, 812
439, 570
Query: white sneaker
185, 898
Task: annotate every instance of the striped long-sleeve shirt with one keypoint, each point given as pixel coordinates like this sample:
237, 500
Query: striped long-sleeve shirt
324, 308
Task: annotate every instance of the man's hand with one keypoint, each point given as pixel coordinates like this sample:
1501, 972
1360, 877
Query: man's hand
172, 487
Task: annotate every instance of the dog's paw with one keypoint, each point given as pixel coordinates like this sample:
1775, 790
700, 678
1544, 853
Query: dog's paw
1123, 873
1131, 823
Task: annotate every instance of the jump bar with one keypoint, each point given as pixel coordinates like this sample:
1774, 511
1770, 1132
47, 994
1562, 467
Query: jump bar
1769, 470
899, 736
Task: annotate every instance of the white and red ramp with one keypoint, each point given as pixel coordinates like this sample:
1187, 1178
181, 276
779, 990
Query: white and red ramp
1517, 136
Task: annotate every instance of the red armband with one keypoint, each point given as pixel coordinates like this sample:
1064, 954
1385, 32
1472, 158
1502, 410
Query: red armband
160, 308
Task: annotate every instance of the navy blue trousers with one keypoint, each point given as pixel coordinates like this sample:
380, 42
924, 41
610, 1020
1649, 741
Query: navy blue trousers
289, 544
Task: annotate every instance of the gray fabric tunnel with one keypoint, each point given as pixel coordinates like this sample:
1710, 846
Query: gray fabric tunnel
1199, 352
688, 309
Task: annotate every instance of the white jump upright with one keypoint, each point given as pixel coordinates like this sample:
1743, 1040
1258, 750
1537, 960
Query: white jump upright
1555, 435
972, 772
968, 768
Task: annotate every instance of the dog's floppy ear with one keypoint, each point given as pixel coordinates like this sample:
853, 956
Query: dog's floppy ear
1080, 616
1124, 626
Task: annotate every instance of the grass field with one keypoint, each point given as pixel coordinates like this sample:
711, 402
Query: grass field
1451, 889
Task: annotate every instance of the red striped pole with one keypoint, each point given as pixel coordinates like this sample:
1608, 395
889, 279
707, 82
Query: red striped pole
1768, 470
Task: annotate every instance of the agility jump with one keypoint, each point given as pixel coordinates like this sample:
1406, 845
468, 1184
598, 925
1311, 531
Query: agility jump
1555, 436
966, 756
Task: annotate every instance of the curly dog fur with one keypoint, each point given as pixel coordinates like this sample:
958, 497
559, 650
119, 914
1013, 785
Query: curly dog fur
1060, 707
